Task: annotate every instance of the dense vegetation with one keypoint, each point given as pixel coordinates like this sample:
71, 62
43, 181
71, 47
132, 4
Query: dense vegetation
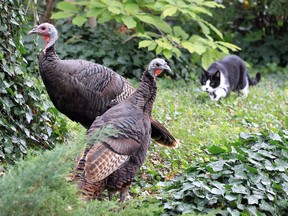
28, 119
161, 26
259, 27
211, 152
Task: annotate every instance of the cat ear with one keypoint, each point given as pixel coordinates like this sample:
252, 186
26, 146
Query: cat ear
204, 71
217, 74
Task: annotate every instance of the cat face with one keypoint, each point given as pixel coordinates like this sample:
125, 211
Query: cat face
209, 81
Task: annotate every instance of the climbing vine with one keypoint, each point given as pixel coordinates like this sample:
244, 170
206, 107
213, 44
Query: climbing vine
28, 119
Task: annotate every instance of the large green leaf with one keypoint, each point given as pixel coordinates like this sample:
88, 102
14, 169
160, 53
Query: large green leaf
67, 6
170, 11
61, 15
179, 32
129, 22
216, 150
79, 20
145, 43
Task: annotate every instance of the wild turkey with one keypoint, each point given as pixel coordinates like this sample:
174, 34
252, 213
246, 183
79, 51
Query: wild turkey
112, 164
83, 90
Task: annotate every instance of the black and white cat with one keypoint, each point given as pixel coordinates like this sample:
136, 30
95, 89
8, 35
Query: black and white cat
226, 75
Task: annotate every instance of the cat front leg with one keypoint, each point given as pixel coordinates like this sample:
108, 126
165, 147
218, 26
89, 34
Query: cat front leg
245, 90
216, 95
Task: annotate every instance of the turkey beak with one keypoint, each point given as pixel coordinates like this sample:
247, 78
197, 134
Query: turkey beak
33, 31
166, 67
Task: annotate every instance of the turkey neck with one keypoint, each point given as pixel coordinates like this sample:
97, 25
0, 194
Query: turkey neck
146, 92
49, 54
48, 67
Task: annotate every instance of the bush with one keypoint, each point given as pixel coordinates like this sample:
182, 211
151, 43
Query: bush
108, 46
38, 186
259, 28
28, 119
248, 177
159, 25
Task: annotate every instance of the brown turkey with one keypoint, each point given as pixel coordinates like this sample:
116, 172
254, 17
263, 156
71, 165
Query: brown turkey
83, 90
113, 163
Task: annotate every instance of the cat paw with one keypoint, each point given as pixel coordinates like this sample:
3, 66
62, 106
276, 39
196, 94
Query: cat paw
215, 99
213, 96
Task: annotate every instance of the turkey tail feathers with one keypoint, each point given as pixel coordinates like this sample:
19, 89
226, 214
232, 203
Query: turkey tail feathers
162, 136
256, 80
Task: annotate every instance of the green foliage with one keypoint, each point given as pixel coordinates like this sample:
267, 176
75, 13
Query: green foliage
159, 25
200, 123
249, 178
258, 27
207, 131
108, 46
38, 186
27, 119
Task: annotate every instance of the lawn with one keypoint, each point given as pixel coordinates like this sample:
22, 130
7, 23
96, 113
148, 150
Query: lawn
38, 185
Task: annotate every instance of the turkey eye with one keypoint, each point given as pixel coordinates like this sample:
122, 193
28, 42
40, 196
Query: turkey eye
43, 28
157, 65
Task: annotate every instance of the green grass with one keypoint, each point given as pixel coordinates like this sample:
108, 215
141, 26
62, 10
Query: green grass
191, 117
199, 122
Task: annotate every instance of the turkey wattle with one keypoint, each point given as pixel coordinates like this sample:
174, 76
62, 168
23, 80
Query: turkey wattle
113, 163
83, 90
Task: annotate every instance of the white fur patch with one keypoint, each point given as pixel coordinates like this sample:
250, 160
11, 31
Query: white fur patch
220, 91
207, 87
245, 90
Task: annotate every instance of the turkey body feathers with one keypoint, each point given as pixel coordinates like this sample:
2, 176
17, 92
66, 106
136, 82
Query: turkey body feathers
117, 160
83, 90
80, 89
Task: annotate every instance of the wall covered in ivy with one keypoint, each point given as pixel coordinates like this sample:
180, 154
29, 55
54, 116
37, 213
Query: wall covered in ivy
28, 120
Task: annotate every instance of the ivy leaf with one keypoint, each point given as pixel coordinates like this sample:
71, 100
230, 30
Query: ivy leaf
285, 188
281, 164
231, 197
215, 150
29, 117
245, 136
217, 165
240, 189
240, 172
275, 137
266, 206
253, 199
266, 154
251, 169
233, 212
